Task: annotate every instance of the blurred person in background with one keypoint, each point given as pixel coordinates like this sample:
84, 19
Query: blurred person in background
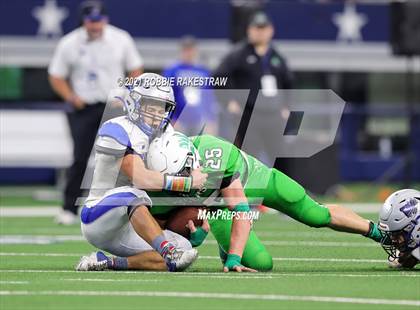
86, 65
196, 106
254, 64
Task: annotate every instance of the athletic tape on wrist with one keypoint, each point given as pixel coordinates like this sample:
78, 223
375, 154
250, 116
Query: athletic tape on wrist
241, 207
177, 183
371, 227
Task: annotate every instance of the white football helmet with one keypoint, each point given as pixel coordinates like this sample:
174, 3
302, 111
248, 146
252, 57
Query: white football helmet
149, 103
173, 153
399, 221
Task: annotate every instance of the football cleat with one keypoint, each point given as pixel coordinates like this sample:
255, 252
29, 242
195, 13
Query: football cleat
97, 261
180, 260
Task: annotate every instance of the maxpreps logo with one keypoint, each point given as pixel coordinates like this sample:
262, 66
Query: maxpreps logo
409, 209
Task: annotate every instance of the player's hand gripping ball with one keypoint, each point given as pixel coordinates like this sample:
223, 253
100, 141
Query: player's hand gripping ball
178, 222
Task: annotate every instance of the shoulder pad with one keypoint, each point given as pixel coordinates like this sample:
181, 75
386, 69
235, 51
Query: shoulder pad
108, 145
115, 131
125, 133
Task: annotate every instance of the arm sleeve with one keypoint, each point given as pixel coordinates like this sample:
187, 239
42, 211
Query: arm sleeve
59, 65
287, 77
133, 59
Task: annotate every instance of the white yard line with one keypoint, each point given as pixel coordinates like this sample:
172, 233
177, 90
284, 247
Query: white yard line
38, 239
312, 243
24, 211
302, 259
112, 280
216, 274
310, 259
273, 297
311, 234
14, 282
276, 275
41, 254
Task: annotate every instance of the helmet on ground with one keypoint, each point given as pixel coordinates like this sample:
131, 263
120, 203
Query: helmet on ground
399, 221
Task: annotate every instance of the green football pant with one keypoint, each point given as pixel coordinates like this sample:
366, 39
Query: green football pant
282, 193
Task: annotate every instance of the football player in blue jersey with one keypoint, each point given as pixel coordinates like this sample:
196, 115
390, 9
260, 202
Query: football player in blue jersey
116, 216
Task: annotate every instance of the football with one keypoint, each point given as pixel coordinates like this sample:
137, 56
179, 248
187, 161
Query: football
177, 222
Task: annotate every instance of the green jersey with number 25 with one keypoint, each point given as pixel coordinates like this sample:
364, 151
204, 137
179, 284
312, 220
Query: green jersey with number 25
222, 161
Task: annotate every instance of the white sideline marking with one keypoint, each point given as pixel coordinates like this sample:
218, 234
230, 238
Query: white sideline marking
372, 301
302, 259
311, 234
222, 275
40, 254
38, 239
113, 280
289, 274
27, 211
310, 259
14, 282
313, 243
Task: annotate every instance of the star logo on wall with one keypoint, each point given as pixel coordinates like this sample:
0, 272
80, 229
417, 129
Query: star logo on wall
350, 24
50, 18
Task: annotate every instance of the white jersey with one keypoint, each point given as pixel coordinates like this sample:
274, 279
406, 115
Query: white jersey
93, 67
116, 138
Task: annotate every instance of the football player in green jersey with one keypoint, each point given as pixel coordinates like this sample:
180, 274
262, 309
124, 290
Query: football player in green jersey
175, 154
224, 163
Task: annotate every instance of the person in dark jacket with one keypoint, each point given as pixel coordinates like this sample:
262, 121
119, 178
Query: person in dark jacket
253, 65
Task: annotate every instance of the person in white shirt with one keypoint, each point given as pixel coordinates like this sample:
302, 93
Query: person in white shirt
86, 65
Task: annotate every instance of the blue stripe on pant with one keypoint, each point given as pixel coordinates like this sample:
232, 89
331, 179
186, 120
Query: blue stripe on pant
125, 199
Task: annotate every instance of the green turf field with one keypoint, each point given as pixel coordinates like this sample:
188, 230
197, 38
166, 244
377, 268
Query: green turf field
314, 268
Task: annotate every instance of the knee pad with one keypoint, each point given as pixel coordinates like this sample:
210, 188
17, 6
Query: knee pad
255, 255
261, 261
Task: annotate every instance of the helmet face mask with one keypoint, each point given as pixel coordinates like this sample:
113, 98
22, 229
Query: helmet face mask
154, 112
188, 166
396, 243
150, 107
